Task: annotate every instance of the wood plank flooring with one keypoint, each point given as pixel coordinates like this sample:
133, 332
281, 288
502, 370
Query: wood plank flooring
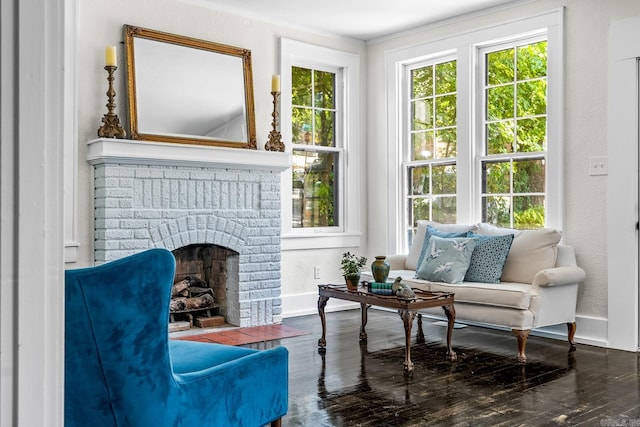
364, 385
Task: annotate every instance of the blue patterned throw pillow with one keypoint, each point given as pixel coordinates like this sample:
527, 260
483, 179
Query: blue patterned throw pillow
435, 232
488, 258
446, 259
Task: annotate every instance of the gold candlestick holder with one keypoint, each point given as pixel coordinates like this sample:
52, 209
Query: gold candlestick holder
275, 139
111, 127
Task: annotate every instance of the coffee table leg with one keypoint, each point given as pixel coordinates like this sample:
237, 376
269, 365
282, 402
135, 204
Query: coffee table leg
364, 308
420, 333
322, 302
407, 318
450, 311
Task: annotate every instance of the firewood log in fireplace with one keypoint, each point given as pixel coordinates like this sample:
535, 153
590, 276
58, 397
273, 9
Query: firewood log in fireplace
189, 286
180, 289
193, 303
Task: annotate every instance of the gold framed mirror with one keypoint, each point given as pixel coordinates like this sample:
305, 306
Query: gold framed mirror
188, 91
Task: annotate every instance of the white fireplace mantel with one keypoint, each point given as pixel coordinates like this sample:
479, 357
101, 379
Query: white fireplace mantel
127, 151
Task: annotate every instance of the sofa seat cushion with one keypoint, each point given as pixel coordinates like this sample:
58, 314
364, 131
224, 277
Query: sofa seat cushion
505, 294
511, 295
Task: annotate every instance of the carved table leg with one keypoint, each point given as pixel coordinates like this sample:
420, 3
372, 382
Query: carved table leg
364, 308
407, 318
571, 328
420, 333
450, 311
322, 302
522, 335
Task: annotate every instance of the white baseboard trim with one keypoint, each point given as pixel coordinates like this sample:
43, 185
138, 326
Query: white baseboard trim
306, 304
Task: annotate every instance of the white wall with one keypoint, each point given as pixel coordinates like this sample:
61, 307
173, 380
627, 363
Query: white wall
586, 55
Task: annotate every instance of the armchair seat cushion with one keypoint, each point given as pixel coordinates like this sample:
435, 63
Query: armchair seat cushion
190, 356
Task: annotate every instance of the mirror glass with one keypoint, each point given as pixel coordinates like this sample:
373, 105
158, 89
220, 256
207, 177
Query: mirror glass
189, 91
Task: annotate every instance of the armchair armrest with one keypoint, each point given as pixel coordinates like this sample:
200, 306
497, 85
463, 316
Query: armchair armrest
559, 276
397, 262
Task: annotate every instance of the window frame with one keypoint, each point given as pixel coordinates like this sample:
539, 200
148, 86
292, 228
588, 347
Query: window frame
347, 68
466, 48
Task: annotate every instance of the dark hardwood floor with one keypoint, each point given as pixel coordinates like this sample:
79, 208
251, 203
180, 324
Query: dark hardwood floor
364, 385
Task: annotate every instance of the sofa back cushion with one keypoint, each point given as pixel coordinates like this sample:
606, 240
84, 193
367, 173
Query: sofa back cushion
419, 239
531, 251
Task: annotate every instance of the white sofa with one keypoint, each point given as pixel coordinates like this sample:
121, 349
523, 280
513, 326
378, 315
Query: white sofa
538, 285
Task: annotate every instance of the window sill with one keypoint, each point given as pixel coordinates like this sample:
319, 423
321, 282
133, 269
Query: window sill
293, 242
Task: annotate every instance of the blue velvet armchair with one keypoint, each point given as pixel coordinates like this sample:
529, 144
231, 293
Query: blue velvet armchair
121, 368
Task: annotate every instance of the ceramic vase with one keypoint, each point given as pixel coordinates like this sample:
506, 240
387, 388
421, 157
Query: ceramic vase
380, 269
352, 281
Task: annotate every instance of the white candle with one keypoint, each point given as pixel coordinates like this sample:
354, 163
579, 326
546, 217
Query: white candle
110, 56
275, 83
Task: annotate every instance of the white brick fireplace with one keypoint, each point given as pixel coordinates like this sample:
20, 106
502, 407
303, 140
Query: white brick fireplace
150, 195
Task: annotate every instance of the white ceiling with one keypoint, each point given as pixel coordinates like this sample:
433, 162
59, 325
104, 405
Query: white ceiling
360, 19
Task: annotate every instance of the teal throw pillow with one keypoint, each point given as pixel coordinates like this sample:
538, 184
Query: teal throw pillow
431, 231
488, 258
446, 260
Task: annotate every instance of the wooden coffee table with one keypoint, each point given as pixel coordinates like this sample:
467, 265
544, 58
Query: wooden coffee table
407, 309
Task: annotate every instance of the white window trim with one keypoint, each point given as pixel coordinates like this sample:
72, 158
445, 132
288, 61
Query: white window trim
465, 45
348, 233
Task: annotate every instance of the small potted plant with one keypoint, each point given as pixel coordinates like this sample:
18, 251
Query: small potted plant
351, 266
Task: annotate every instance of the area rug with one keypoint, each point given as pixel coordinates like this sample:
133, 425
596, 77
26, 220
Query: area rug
250, 335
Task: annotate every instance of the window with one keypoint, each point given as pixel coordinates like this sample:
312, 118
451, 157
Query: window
515, 134
316, 159
477, 120
319, 116
431, 171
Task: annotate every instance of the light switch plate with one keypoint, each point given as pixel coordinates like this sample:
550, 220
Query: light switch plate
598, 165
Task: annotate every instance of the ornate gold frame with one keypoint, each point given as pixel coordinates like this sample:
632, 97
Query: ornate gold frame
132, 32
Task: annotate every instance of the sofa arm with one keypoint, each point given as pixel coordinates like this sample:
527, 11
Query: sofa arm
397, 262
559, 276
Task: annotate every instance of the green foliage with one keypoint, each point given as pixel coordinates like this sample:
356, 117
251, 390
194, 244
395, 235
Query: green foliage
352, 264
530, 218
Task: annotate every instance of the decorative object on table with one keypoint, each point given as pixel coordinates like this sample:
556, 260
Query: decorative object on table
379, 288
380, 269
111, 123
402, 290
275, 138
351, 266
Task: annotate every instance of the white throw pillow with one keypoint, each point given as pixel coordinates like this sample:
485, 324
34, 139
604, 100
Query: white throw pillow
531, 251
